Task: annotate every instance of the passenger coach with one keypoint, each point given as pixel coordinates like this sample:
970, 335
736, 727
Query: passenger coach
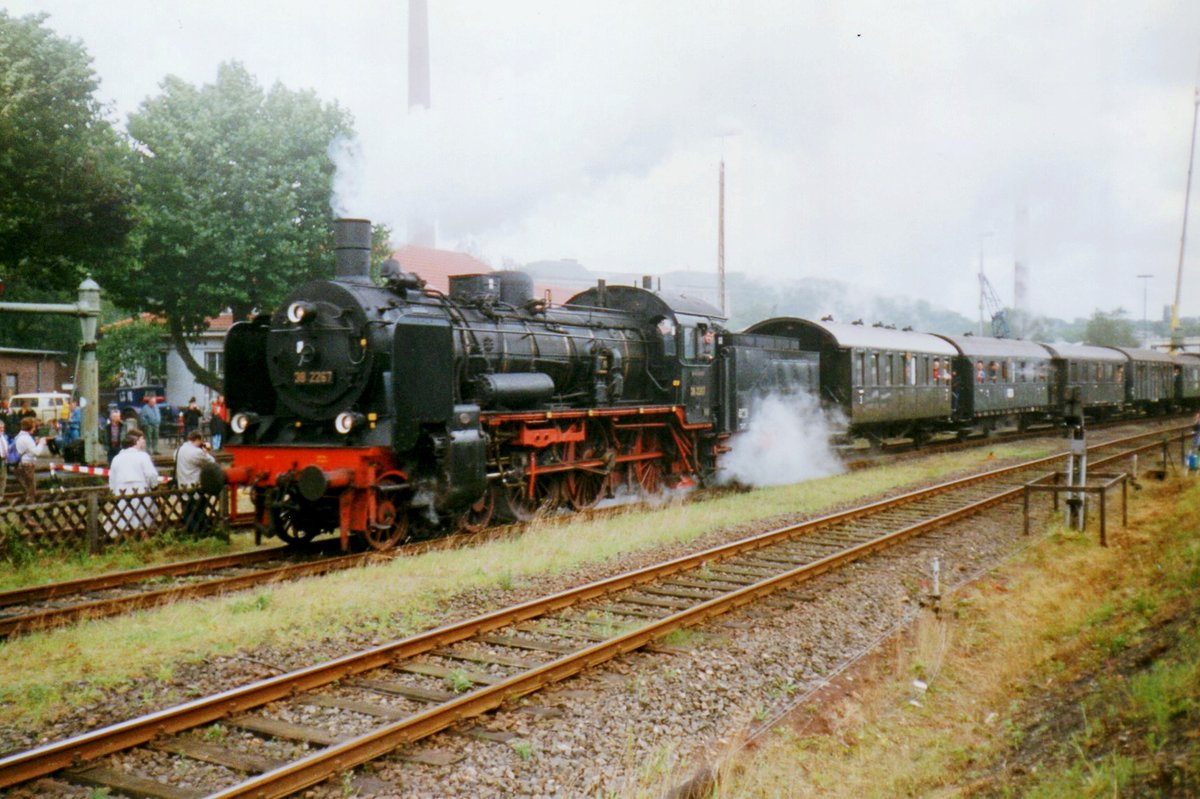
997, 378
887, 382
1098, 373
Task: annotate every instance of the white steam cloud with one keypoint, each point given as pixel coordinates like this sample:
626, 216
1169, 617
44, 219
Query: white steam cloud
788, 441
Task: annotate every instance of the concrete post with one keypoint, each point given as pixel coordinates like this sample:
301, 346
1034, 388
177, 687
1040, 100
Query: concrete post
89, 368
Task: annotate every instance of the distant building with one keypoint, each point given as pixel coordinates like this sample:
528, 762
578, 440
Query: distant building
208, 349
435, 266
28, 371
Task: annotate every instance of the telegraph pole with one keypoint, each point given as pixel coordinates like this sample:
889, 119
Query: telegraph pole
721, 239
1176, 341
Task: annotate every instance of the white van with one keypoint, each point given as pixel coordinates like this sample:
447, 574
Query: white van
48, 405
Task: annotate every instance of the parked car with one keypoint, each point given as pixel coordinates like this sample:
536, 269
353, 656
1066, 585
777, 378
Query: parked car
129, 400
47, 404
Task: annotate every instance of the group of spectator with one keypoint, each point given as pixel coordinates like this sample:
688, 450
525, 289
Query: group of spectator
129, 444
63, 429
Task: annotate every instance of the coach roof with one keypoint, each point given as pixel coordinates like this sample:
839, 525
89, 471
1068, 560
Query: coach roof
1086, 352
987, 347
850, 336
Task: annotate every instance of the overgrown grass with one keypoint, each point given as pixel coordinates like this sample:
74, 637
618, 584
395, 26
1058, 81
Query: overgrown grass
76, 664
26, 566
1011, 655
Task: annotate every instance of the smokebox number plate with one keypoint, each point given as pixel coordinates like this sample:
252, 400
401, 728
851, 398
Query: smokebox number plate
321, 378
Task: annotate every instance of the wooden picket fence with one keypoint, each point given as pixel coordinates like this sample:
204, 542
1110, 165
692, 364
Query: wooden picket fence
93, 516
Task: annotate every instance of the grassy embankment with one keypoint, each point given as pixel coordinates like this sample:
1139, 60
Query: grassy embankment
76, 665
1072, 671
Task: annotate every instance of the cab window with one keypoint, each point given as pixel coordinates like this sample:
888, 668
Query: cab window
666, 331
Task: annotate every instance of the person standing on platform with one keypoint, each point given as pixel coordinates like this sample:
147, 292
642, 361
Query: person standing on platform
216, 424
29, 450
149, 419
112, 433
4, 445
132, 472
74, 422
191, 417
189, 459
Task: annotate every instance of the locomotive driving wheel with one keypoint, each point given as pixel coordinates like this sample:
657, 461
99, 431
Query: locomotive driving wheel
479, 515
648, 473
294, 520
390, 523
585, 486
518, 503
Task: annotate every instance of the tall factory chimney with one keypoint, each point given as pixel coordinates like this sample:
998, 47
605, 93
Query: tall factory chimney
418, 54
421, 231
1021, 267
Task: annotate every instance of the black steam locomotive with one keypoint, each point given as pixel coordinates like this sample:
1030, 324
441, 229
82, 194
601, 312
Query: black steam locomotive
393, 410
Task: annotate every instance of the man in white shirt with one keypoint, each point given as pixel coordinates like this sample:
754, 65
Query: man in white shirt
3, 461
132, 472
189, 459
29, 449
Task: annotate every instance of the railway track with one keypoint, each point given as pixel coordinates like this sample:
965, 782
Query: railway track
41, 607
25, 610
391, 695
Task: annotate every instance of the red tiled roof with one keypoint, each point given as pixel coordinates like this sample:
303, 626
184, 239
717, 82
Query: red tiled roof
216, 324
436, 266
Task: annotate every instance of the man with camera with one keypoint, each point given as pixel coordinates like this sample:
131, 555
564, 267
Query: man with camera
29, 450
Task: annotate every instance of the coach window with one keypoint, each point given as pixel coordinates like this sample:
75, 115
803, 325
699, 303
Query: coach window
873, 377
858, 368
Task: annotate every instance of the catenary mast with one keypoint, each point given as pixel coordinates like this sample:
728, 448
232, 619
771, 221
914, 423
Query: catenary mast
1176, 339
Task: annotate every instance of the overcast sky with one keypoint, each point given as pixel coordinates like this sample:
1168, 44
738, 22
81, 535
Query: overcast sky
874, 142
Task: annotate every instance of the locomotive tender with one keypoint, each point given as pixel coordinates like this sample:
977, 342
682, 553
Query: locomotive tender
388, 410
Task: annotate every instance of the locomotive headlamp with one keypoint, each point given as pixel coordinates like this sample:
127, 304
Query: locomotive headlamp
347, 421
299, 312
241, 421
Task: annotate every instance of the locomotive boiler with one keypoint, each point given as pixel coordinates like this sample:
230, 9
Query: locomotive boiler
390, 409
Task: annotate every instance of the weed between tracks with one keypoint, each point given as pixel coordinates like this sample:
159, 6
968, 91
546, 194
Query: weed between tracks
1074, 671
78, 665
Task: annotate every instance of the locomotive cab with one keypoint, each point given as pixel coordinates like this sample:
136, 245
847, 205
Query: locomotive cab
682, 333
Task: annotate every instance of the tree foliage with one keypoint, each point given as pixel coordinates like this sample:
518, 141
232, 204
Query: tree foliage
65, 205
127, 347
1110, 329
234, 200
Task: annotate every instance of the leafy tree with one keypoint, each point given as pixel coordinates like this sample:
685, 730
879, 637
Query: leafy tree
65, 203
127, 346
1110, 329
234, 200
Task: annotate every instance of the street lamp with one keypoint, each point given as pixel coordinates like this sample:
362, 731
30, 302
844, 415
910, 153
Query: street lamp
1145, 320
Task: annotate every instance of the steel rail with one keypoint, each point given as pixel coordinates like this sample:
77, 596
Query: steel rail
41, 593
25, 766
147, 599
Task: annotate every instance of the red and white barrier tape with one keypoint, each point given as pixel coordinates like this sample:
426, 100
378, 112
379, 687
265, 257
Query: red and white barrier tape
96, 471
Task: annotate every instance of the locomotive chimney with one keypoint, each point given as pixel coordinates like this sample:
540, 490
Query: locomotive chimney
352, 248
647, 282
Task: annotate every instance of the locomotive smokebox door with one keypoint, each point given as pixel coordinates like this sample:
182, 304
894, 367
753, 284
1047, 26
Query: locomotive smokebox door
422, 380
